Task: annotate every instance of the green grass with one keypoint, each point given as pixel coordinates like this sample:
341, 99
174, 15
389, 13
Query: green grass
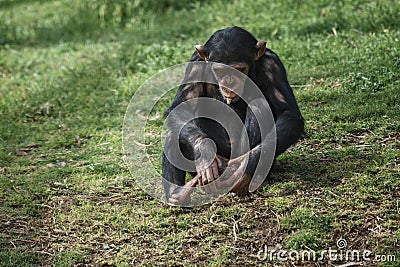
68, 70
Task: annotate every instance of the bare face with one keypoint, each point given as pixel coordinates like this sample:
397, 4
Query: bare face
231, 80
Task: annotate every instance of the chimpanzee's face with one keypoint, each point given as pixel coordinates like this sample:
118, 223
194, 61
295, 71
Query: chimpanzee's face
235, 62
231, 80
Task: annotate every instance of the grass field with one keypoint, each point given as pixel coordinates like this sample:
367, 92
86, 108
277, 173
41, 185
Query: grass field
68, 70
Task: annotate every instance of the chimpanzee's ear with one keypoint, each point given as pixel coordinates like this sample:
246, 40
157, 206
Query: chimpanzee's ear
260, 49
202, 51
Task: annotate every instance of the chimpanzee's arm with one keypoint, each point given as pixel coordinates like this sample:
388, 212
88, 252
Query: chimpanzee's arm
180, 126
289, 122
184, 125
270, 76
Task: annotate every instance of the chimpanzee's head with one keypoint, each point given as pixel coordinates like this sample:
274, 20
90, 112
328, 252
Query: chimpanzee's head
236, 48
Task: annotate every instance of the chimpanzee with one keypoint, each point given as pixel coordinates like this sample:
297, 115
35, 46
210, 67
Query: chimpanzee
236, 48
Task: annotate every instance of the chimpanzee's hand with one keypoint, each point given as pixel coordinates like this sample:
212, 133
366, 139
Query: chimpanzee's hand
208, 174
234, 176
206, 162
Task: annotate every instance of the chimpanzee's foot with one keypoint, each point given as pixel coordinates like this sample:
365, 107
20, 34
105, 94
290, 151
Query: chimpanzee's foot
181, 195
241, 188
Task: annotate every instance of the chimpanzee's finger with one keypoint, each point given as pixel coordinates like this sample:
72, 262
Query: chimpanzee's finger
201, 178
210, 176
214, 168
219, 162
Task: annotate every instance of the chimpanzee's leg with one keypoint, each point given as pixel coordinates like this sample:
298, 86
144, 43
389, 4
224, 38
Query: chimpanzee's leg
252, 130
289, 128
172, 177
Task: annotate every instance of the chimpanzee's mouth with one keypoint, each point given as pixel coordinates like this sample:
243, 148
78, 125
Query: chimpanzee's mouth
229, 95
231, 99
